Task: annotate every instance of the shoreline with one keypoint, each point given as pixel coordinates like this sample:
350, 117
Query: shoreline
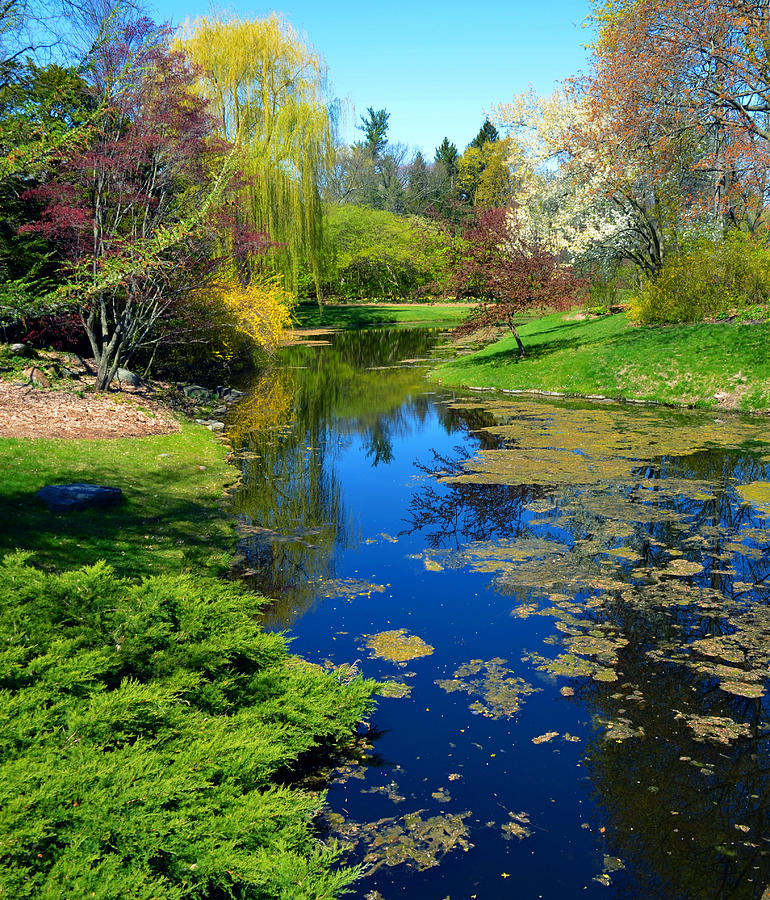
721, 367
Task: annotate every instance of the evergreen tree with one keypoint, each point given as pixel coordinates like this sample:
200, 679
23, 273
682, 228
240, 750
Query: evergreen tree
375, 128
447, 154
488, 134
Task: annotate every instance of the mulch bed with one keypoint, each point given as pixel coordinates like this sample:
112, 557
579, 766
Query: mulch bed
31, 412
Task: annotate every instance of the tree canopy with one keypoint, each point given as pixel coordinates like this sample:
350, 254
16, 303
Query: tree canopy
267, 91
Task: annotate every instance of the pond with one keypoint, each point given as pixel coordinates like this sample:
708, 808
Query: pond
568, 601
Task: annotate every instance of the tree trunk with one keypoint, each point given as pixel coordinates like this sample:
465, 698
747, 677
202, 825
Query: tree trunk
518, 339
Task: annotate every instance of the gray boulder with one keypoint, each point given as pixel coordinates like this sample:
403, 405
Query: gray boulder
124, 376
69, 497
196, 391
22, 350
211, 424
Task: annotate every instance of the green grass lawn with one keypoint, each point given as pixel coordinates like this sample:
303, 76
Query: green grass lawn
171, 519
365, 315
703, 365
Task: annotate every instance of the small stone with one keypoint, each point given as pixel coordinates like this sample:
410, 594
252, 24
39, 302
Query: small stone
22, 350
36, 376
196, 391
79, 495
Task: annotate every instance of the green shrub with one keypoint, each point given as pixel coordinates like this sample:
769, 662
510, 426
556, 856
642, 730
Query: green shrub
706, 279
375, 254
141, 727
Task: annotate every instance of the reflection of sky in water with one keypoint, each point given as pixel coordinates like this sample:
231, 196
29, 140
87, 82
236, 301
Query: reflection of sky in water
649, 588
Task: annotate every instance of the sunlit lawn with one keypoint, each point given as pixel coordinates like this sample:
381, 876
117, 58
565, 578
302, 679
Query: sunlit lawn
170, 520
700, 365
362, 315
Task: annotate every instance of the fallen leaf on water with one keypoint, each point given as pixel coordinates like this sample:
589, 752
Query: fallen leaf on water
544, 738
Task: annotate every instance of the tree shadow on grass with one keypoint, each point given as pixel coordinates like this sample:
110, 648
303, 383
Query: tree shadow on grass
154, 530
538, 349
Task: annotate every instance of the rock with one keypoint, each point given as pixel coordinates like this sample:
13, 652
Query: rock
68, 497
196, 391
22, 350
211, 424
228, 394
36, 376
124, 376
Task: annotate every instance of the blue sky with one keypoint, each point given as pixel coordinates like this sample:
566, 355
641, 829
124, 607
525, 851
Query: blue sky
435, 66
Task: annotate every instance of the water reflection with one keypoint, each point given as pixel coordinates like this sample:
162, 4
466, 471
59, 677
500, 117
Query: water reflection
288, 433
657, 580
593, 584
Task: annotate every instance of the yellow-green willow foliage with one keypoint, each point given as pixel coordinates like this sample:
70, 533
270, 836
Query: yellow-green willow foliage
266, 86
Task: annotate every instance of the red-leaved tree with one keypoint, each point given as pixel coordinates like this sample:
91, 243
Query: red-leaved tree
139, 210
509, 274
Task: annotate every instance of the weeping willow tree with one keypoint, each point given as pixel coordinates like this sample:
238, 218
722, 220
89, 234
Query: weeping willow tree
267, 88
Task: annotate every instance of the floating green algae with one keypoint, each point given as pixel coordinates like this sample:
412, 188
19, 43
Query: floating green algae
715, 729
348, 588
390, 790
396, 646
517, 826
758, 494
682, 568
410, 841
498, 691
396, 690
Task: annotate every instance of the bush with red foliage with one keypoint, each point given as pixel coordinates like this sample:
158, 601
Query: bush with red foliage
509, 274
140, 208
62, 331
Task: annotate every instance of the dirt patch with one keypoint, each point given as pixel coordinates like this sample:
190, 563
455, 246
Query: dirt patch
30, 412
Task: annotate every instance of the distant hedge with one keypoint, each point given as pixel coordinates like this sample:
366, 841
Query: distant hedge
141, 725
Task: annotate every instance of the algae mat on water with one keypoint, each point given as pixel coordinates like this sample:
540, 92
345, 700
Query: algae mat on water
397, 646
600, 443
638, 513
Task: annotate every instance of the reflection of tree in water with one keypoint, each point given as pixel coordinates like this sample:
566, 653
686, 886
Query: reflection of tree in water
689, 817
454, 514
686, 795
290, 502
659, 583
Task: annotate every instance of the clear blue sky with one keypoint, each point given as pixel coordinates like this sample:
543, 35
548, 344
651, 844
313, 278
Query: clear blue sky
435, 66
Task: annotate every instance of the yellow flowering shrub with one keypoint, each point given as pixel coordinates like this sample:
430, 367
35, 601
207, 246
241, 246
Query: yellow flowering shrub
261, 309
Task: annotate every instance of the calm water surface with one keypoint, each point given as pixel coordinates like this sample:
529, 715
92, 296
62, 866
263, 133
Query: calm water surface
571, 600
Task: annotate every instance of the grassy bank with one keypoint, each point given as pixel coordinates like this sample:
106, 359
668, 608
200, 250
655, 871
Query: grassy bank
172, 519
151, 728
368, 315
704, 365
